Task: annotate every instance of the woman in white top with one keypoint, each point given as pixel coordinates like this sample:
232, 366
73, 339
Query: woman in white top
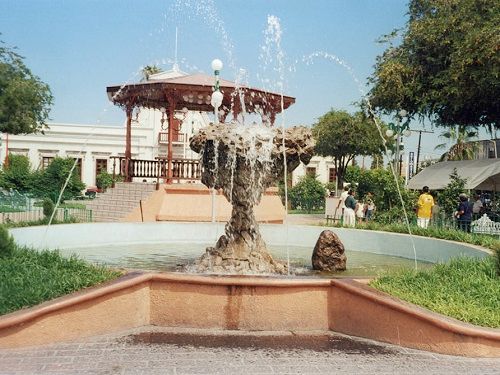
350, 206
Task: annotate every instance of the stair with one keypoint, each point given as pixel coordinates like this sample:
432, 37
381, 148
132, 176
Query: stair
116, 203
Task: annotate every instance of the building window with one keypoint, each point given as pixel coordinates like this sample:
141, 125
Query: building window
332, 175
78, 166
311, 171
101, 165
46, 160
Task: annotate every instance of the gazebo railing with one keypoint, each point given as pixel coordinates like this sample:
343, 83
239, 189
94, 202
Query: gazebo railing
182, 169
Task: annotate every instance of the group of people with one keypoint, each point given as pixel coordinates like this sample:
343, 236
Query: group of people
427, 209
465, 212
353, 210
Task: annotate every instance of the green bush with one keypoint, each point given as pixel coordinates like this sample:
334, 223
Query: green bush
17, 174
308, 194
104, 180
7, 245
448, 198
50, 181
48, 207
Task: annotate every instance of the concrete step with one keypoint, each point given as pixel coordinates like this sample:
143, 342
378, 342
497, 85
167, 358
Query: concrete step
116, 203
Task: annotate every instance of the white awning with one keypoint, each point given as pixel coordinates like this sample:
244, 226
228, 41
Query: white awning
482, 174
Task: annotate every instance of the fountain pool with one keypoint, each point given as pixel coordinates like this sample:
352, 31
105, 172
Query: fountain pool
164, 246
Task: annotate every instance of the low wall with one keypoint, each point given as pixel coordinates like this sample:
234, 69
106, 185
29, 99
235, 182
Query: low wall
244, 303
366, 312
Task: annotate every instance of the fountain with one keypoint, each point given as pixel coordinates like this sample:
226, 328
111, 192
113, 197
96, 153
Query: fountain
243, 162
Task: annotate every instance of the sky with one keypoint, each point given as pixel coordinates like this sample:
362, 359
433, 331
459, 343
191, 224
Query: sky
320, 51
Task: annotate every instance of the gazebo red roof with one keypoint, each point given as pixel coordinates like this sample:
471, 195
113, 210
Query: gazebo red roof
194, 92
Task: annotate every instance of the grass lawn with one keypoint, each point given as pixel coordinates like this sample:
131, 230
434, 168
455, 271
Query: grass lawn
28, 277
466, 289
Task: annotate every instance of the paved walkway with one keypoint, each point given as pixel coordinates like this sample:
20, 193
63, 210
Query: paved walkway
153, 350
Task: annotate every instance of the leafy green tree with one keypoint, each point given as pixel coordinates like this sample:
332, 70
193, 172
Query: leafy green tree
308, 194
448, 198
50, 181
460, 137
447, 65
343, 136
17, 174
24, 99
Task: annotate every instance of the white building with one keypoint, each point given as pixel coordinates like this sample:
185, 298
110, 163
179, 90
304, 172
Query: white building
95, 145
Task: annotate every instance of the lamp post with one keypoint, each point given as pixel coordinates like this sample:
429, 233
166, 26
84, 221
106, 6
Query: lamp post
216, 95
216, 103
397, 130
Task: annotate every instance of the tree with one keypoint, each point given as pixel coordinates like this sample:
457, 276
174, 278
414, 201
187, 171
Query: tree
462, 148
308, 194
343, 136
448, 198
17, 174
24, 100
447, 66
49, 182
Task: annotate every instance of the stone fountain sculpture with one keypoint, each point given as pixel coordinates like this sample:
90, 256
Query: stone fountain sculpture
243, 161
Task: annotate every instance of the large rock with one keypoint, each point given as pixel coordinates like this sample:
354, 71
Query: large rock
329, 253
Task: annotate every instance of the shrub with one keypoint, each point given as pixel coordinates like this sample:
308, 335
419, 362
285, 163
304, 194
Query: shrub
104, 180
50, 181
7, 245
448, 198
308, 194
17, 175
48, 207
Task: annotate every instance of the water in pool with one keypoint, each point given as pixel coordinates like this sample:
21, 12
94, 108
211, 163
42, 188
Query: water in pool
174, 256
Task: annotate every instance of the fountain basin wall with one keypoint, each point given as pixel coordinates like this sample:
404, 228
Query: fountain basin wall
241, 302
91, 234
244, 303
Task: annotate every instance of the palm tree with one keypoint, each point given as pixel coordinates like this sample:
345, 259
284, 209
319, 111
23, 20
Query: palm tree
462, 146
149, 70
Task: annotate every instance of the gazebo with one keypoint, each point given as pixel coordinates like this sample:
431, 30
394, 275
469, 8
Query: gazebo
187, 92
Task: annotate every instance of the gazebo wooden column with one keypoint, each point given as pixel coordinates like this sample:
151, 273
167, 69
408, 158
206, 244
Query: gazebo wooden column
171, 111
128, 143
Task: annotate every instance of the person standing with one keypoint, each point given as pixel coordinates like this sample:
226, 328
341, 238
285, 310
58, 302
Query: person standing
435, 211
343, 197
464, 213
360, 211
477, 207
424, 208
350, 206
370, 209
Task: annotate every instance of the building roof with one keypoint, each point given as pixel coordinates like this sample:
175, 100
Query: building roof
481, 174
194, 91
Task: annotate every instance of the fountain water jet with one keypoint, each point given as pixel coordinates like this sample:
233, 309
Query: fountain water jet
243, 161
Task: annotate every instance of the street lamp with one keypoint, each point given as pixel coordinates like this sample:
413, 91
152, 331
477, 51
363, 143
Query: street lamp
397, 130
216, 95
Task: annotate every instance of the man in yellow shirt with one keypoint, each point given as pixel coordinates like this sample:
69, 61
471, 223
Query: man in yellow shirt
424, 212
